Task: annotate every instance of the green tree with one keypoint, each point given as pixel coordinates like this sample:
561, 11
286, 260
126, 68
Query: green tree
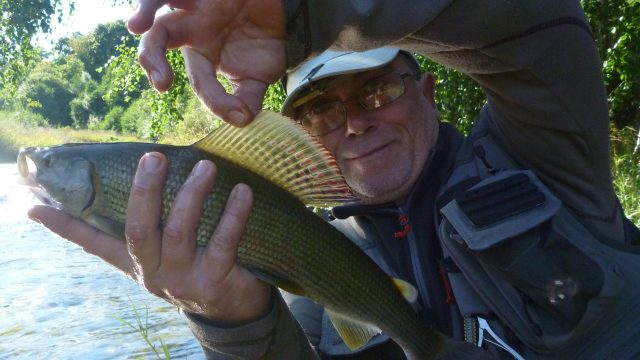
96, 48
20, 21
616, 29
51, 86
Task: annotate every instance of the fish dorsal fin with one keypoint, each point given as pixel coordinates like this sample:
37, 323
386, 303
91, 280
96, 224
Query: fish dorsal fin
355, 334
281, 151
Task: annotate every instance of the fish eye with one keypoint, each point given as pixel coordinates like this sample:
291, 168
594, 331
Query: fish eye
48, 159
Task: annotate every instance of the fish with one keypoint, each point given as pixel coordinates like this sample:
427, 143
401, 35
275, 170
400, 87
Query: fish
284, 244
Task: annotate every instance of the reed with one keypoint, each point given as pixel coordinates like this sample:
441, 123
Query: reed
142, 327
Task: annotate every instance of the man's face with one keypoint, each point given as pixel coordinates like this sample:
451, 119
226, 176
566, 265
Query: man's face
381, 152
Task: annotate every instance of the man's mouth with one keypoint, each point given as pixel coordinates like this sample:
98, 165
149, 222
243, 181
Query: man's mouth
362, 154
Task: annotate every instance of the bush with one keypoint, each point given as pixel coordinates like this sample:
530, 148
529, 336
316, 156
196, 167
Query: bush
79, 111
53, 100
112, 121
196, 123
136, 117
30, 119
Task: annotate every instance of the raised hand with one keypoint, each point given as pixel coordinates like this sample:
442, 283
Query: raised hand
242, 40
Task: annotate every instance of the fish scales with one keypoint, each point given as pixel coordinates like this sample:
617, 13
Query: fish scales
283, 251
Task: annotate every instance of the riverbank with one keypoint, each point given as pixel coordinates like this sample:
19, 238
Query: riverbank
14, 135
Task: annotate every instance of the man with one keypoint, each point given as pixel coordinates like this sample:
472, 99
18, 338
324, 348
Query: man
546, 110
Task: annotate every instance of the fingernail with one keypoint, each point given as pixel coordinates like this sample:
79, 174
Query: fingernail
150, 162
201, 169
237, 117
239, 192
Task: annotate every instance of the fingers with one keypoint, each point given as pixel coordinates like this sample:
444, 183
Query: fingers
251, 92
220, 254
143, 18
142, 228
179, 238
93, 241
152, 55
205, 84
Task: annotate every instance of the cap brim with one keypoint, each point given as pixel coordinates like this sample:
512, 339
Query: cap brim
332, 63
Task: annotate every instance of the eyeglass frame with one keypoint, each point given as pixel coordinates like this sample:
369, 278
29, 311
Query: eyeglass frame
403, 75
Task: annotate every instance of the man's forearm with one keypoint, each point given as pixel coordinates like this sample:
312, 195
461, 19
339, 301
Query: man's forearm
276, 335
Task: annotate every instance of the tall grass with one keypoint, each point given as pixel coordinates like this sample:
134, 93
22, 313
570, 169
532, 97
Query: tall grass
18, 130
625, 166
142, 328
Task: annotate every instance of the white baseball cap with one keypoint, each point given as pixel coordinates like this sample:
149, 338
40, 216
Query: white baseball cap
331, 63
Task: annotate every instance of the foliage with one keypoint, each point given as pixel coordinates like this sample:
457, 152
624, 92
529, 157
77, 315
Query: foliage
136, 118
51, 99
111, 121
459, 99
625, 167
166, 107
196, 124
97, 48
274, 97
87, 104
20, 21
616, 28
50, 88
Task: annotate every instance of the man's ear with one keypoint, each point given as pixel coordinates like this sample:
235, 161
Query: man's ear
428, 84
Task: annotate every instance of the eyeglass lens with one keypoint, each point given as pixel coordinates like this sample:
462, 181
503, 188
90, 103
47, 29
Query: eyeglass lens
322, 118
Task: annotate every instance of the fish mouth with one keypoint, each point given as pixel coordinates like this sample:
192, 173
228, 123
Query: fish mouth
28, 171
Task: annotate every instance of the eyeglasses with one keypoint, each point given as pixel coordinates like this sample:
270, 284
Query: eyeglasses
324, 117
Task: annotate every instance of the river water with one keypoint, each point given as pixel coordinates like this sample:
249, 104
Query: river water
57, 302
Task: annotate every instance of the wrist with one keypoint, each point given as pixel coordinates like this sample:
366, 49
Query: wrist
244, 308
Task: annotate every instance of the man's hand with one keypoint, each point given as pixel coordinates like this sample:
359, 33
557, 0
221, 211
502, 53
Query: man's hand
203, 280
241, 39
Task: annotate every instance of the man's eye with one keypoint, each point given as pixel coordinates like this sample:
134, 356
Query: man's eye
324, 107
374, 87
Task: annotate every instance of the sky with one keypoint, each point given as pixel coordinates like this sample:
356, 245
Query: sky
88, 14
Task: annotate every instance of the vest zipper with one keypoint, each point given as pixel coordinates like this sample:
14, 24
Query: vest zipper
416, 267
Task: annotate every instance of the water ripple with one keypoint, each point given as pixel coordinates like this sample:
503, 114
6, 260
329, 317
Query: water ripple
57, 302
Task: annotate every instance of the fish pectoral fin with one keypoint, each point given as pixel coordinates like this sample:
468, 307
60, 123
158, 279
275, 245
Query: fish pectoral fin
407, 290
284, 284
355, 334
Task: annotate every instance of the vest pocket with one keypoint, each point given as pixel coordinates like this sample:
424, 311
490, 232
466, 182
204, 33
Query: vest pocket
562, 281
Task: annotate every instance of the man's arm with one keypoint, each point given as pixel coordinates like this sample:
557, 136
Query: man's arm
536, 61
277, 335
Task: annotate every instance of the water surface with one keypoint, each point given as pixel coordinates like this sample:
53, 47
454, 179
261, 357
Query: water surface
57, 302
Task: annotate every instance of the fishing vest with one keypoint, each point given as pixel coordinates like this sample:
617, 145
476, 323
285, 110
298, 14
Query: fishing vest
529, 280
522, 267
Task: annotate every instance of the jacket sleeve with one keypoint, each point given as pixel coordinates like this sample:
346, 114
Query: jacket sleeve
277, 335
535, 59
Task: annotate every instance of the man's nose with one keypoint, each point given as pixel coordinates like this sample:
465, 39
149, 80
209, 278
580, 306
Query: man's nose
359, 120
